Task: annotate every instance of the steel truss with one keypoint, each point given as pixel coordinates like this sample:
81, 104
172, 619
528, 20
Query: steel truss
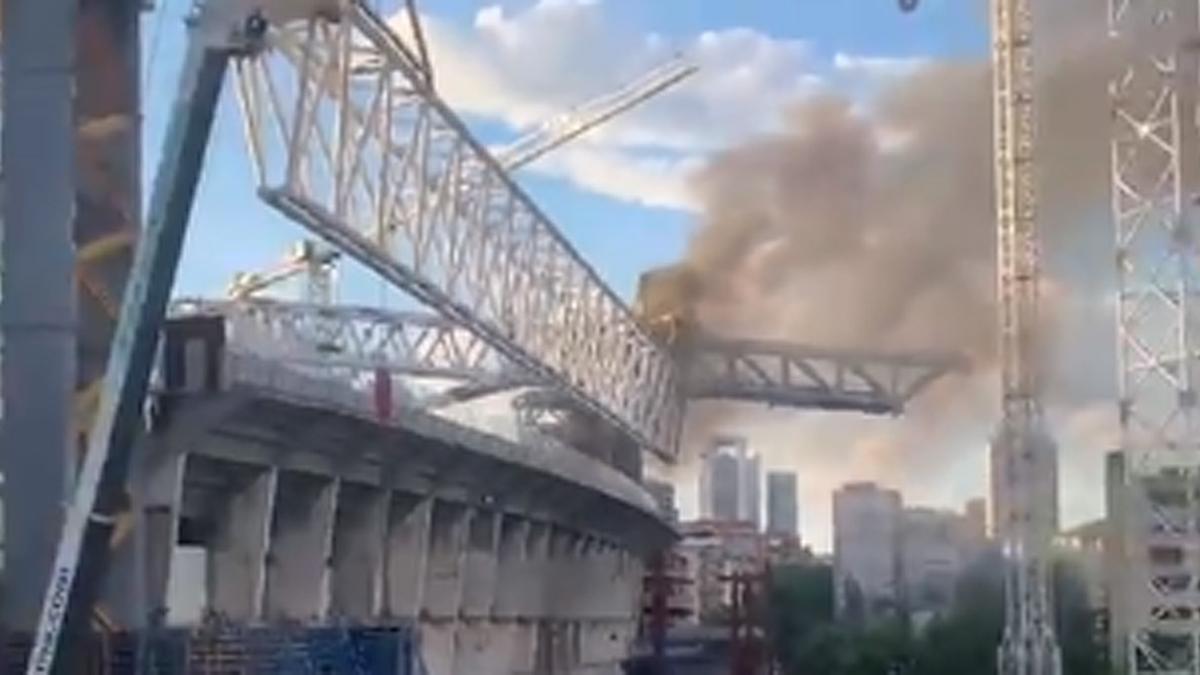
1156, 179
1028, 511
348, 140
781, 374
356, 338
419, 344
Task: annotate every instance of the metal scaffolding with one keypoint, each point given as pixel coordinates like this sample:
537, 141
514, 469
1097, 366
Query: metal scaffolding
1155, 181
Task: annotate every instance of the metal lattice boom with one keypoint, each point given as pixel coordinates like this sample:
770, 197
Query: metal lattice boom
372, 161
424, 345
571, 124
360, 338
790, 375
1155, 179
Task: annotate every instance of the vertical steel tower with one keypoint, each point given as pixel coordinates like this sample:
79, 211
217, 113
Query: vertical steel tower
1156, 180
1024, 452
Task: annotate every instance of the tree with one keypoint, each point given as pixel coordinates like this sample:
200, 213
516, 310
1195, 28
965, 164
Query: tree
963, 642
801, 605
1083, 648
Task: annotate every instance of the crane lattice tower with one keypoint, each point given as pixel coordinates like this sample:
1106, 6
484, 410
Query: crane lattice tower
1024, 454
1155, 500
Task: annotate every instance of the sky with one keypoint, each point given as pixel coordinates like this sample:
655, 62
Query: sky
620, 194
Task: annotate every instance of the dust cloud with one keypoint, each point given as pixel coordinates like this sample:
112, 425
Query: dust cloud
870, 225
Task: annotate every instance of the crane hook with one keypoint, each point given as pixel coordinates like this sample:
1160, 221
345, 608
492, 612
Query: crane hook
908, 5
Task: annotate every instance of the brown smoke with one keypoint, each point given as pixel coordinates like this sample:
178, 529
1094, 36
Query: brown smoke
873, 226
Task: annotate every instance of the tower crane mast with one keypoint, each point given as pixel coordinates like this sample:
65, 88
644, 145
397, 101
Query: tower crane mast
1024, 454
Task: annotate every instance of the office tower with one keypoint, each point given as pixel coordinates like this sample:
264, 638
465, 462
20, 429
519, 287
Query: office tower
866, 537
781, 504
729, 482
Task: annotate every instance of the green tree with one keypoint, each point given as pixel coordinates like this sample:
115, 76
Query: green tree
801, 607
963, 642
1083, 648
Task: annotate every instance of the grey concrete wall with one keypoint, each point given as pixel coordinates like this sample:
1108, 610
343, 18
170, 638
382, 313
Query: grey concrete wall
287, 532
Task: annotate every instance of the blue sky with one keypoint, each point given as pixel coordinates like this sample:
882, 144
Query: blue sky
232, 231
620, 195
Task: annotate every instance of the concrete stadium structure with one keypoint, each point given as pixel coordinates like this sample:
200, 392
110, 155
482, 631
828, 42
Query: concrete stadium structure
269, 495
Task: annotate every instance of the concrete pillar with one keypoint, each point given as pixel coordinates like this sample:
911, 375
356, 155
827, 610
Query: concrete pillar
483, 540
136, 588
360, 533
536, 572
447, 555
37, 450
301, 538
406, 553
512, 562
589, 598
560, 574
237, 561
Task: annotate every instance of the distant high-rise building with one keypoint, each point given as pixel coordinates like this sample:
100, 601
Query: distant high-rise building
719, 486
866, 562
781, 504
749, 489
729, 482
932, 555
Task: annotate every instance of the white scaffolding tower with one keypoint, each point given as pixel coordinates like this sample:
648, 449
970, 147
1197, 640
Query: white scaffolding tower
1156, 178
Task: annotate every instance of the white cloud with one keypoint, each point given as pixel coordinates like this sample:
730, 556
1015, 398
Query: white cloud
655, 180
876, 67
522, 67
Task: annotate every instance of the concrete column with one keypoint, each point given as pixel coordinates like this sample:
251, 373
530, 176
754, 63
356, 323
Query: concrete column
483, 540
237, 563
406, 554
37, 150
536, 572
512, 561
590, 595
136, 588
301, 531
447, 555
560, 573
360, 533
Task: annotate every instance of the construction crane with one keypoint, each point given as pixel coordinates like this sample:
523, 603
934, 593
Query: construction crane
306, 258
569, 125
1024, 454
317, 262
453, 248
1155, 154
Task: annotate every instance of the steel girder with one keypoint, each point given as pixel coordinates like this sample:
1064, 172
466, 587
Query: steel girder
348, 140
360, 339
1155, 179
425, 345
782, 374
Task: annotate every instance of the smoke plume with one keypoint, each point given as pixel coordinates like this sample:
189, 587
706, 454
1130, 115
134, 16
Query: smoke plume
872, 226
